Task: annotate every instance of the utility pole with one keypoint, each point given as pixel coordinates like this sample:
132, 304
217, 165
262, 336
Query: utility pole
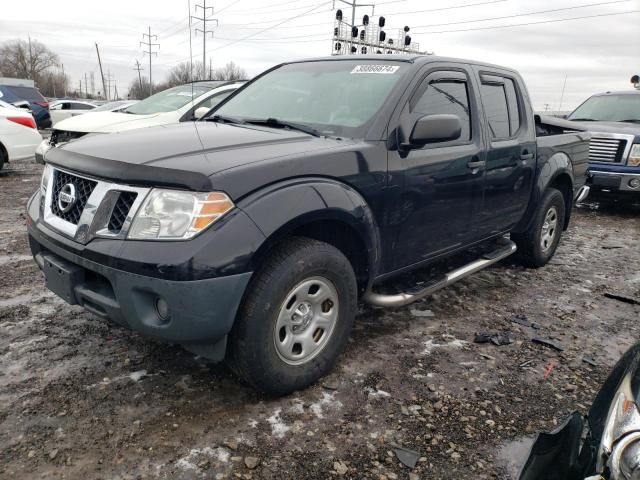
109, 80
86, 86
204, 31
354, 4
93, 83
79, 87
138, 67
104, 85
151, 53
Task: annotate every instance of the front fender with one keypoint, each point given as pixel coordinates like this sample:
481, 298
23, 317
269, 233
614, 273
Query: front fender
290, 204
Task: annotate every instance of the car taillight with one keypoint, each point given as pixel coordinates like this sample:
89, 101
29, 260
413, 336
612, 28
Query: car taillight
26, 121
43, 104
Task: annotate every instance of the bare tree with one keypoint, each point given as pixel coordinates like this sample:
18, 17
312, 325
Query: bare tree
54, 84
230, 71
183, 73
22, 59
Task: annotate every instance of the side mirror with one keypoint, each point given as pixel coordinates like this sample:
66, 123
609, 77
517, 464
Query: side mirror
434, 129
200, 112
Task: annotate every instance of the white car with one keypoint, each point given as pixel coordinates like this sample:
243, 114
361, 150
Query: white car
19, 136
63, 109
178, 104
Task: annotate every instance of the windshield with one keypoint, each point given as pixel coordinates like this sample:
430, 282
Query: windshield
609, 108
168, 100
334, 97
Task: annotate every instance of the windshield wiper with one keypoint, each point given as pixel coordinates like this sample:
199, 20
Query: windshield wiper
222, 118
274, 122
583, 119
631, 120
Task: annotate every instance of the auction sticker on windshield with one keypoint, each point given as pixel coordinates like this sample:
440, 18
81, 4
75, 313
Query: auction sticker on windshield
375, 69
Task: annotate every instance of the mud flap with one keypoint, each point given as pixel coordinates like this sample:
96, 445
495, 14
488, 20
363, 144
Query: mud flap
554, 456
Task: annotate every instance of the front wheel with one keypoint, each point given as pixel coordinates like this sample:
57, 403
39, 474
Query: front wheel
538, 244
296, 317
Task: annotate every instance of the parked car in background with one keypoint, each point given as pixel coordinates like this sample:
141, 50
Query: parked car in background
614, 153
63, 109
252, 234
178, 104
19, 136
114, 106
13, 93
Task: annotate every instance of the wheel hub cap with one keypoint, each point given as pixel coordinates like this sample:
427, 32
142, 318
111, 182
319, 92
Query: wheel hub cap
302, 316
307, 318
549, 229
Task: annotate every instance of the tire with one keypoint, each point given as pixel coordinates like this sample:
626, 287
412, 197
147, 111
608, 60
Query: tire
296, 317
3, 158
537, 245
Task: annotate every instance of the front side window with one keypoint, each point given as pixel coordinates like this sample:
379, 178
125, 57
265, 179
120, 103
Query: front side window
335, 97
168, 100
494, 100
446, 97
609, 108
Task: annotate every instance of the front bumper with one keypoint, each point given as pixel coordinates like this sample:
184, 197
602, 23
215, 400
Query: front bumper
614, 181
201, 312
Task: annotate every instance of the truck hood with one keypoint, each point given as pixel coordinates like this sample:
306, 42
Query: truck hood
182, 155
110, 122
613, 127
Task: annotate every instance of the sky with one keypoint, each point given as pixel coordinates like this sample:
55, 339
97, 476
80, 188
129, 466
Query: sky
544, 40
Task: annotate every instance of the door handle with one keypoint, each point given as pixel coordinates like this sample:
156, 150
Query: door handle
473, 164
526, 156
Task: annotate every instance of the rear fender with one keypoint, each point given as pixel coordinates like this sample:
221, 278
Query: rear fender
548, 171
285, 206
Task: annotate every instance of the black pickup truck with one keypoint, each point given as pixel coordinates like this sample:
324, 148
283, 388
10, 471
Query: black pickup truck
251, 236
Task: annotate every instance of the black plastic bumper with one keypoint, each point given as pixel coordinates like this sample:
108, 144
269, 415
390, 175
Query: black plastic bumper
200, 312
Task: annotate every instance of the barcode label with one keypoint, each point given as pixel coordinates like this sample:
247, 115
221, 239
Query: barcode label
385, 69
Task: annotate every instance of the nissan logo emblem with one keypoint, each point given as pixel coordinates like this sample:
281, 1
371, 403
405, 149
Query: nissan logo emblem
67, 197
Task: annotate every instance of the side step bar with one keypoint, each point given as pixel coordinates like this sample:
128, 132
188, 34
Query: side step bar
506, 248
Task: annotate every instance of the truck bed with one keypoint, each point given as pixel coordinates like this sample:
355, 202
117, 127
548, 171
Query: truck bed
555, 135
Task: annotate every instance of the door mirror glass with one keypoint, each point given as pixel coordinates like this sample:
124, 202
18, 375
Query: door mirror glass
434, 129
200, 112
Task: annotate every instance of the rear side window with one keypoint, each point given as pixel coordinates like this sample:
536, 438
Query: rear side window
81, 106
446, 96
514, 109
26, 93
494, 99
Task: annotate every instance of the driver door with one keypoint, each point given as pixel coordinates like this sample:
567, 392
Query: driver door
442, 182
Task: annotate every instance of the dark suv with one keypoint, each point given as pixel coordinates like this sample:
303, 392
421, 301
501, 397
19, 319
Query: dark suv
37, 103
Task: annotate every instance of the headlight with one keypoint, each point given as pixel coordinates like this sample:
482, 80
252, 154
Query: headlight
46, 175
634, 156
177, 215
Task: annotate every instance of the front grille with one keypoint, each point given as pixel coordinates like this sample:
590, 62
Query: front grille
83, 188
605, 149
63, 136
121, 210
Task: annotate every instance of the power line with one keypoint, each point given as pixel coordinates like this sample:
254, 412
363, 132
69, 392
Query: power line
228, 6
150, 52
451, 8
531, 23
523, 14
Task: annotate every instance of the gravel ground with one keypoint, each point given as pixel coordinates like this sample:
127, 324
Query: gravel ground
80, 398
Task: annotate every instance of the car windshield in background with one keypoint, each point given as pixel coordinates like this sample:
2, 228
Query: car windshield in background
26, 93
337, 97
108, 107
609, 108
168, 100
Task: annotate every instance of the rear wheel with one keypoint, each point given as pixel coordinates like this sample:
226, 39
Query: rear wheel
296, 317
537, 245
3, 157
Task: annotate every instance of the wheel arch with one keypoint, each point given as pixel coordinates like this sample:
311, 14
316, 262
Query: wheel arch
319, 208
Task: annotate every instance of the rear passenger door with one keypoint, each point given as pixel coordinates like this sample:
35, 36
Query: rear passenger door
510, 161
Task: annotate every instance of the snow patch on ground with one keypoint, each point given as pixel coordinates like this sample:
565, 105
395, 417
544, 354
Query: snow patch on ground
327, 401
278, 427
377, 393
448, 341
189, 461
